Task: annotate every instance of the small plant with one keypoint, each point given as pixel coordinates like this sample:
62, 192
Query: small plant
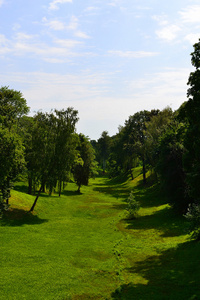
132, 206
193, 216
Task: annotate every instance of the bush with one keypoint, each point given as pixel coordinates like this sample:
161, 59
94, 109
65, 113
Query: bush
132, 206
193, 216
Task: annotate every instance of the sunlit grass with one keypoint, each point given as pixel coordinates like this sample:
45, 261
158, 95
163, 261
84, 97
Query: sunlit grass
82, 246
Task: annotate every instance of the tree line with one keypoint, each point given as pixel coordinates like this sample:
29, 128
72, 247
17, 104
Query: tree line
47, 148
44, 148
167, 143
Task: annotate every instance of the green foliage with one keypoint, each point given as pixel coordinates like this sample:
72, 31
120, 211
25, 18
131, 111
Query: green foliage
12, 106
12, 162
84, 166
103, 149
133, 206
170, 166
193, 216
192, 138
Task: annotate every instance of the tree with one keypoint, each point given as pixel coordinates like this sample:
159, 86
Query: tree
53, 148
103, 146
12, 106
12, 160
85, 166
154, 130
192, 138
170, 166
136, 127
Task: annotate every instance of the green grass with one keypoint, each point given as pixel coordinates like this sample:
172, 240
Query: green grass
81, 246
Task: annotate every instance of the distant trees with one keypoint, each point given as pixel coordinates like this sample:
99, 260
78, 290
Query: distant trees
103, 149
85, 165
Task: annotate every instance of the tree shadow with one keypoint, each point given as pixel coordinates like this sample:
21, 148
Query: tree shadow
71, 193
174, 274
164, 220
20, 217
21, 188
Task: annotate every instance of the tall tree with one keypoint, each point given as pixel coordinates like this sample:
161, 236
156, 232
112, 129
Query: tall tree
85, 166
103, 146
192, 139
12, 107
53, 147
154, 130
136, 127
12, 160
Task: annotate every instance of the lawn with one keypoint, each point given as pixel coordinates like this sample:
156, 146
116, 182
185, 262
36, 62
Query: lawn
82, 246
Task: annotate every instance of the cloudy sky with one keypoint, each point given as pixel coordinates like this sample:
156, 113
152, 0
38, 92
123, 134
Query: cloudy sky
106, 58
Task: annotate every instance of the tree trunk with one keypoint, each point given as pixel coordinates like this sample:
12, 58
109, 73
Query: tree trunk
60, 187
131, 173
144, 171
38, 195
30, 185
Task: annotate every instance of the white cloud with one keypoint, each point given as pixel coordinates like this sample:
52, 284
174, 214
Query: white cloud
54, 24
192, 38
132, 54
168, 33
191, 14
73, 23
91, 90
66, 43
54, 5
73, 26
1, 2
162, 20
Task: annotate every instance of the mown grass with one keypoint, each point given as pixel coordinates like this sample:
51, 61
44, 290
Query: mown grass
82, 246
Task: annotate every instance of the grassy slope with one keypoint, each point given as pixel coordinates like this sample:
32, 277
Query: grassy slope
82, 247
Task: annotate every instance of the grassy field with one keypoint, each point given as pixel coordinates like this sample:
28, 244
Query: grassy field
82, 246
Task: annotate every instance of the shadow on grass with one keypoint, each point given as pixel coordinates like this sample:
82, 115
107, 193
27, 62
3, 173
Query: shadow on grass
21, 188
71, 193
174, 274
164, 220
115, 190
20, 217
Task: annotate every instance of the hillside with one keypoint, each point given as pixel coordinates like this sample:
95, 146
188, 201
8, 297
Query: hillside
82, 246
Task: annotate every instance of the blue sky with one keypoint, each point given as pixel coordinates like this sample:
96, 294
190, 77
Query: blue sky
108, 59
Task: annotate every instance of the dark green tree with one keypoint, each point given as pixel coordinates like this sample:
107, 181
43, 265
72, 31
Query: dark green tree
192, 138
170, 166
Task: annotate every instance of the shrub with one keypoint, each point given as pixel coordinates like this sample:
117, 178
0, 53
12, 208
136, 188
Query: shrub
193, 216
132, 206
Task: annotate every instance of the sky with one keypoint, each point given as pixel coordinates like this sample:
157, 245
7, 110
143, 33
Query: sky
108, 59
